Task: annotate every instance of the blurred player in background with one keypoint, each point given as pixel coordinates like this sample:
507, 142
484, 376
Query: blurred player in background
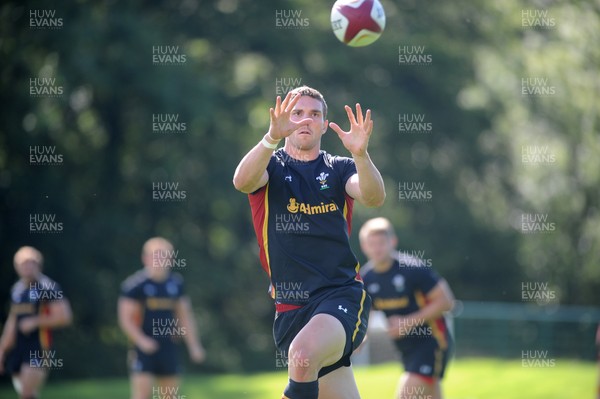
301, 200
155, 315
38, 306
598, 347
413, 298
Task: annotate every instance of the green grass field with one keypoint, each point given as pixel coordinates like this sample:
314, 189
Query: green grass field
466, 379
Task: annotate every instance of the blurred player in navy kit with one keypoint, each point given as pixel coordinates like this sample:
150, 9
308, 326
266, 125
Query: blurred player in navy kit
413, 298
155, 315
301, 200
598, 348
38, 306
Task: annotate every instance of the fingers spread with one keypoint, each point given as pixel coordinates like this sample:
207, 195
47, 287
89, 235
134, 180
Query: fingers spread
369, 128
335, 127
291, 99
368, 123
359, 114
351, 117
304, 121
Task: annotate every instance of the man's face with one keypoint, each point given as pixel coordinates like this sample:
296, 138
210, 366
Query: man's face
307, 136
378, 247
28, 268
157, 260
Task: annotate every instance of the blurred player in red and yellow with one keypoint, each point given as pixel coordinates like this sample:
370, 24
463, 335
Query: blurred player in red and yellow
38, 306
413, 298
156, 315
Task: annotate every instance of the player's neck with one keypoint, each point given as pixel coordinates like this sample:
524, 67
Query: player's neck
156, 277
383, 266
30, 280
300, 154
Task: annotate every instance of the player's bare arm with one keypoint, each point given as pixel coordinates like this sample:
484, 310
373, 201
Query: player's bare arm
366, 186
251, 173
8, 338
183, 311
129, 312
439, 300
60, 315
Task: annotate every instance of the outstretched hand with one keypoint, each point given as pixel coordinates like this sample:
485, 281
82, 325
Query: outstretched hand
281, 125
356, 140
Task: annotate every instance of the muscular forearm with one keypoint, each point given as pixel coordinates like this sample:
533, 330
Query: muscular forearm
59, 316
185, 314
53, 321
191, 334
440, 300
133, 332
252, 168
370, 181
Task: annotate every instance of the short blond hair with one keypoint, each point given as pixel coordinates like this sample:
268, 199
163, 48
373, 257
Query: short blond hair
378, 225
155, 243
26, 253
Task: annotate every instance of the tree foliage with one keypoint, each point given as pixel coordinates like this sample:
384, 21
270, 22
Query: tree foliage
236, 61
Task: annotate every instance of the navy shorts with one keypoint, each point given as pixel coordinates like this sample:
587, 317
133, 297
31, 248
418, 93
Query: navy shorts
163, 362
21, 355
350, 305
426, 357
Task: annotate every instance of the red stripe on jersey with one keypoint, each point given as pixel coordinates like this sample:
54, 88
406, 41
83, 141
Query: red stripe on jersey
438, 333
45, 334
259, 204
284, 307
441, 326
348, 206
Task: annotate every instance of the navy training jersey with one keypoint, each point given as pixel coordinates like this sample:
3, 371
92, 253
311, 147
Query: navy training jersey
302, 220
158, 300
32, 299
402, 290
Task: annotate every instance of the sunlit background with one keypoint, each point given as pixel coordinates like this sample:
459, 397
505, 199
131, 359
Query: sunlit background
489, 146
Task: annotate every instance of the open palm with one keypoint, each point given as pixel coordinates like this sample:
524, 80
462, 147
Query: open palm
356, 140
281, 125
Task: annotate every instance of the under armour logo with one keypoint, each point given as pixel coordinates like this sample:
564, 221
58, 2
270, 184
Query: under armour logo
341, 308
288, 178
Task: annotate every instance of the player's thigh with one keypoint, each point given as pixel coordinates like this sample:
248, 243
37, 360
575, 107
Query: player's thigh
321, 340
169, 385
339, 384
413, 385
31, 379
141, 385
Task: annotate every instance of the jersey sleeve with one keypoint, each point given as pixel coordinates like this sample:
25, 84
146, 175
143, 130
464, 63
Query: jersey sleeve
272, 164
270, 171
54, 291
178, 281
132, 289
15, 293
425, 278
48, 289
346, 168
